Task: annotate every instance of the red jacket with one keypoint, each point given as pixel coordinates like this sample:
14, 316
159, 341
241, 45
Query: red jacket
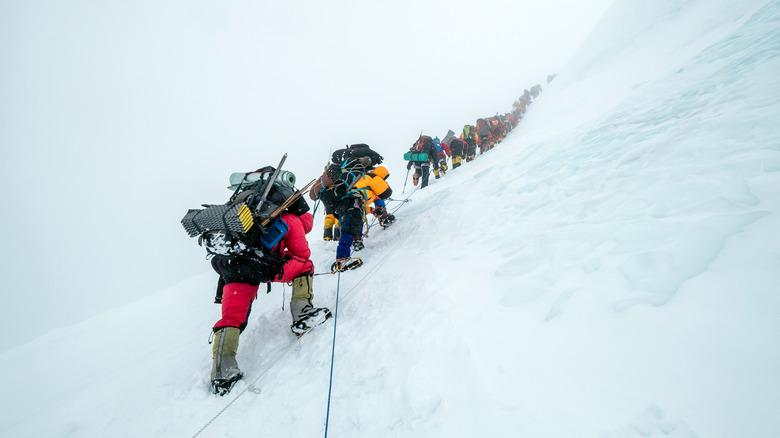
446, 149
294, 247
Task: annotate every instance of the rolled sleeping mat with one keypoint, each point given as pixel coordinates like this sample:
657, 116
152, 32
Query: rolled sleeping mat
416, 156
284, 179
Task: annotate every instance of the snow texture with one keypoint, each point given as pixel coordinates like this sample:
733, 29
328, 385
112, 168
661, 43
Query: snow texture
612, 269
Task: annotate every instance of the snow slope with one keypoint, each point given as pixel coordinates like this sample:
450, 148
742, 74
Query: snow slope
611, 269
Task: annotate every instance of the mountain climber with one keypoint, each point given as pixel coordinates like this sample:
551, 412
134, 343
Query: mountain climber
485, 139
376, 190
253, 254
443, 153
340, 188
469, 135
457, 148
423, 153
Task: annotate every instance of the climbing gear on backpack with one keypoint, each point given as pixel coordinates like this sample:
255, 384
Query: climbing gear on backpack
249, 220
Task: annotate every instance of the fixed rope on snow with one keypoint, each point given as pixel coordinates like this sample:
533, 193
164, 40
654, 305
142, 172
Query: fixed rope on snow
333, 351
402, 203
252, 388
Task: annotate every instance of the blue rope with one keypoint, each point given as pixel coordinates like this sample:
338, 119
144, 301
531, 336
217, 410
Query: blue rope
333, 352
402, 203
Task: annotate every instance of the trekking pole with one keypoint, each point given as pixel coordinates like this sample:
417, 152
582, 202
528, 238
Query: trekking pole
406, 179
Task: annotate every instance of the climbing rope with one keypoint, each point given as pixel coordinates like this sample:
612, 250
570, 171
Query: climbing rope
333, 351
252, 388
401, 202
346, 295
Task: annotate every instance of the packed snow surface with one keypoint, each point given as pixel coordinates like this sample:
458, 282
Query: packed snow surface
612, 269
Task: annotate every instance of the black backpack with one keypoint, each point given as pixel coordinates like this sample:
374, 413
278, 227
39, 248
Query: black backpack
358, 150
457, 147
344, 177
361, 150
483, 128
423, 144
339, 156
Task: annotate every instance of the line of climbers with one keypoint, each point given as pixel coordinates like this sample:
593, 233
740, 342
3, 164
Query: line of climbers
352, 186
259, 235
431, 152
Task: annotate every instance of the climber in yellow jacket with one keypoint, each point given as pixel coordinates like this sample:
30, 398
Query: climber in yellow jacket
375, 189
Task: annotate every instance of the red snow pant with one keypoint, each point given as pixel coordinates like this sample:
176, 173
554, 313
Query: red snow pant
238, 293
236, 304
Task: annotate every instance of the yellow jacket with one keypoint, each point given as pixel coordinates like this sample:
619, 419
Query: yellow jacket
373, 185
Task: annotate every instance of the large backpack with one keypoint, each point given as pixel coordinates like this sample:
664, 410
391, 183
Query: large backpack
340, 155
358, 150
420, 149
247, 223
468, 132
423, 144
482, 128
437, 143
361, 150
337, 181
457, 147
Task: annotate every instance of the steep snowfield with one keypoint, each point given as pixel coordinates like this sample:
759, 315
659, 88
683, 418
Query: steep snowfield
610, 270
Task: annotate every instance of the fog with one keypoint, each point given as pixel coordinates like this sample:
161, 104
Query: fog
119, 116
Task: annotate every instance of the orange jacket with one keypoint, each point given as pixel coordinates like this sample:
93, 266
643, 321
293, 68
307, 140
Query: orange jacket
373, 185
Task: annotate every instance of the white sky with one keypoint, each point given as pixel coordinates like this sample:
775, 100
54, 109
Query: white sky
609, 270
118, 116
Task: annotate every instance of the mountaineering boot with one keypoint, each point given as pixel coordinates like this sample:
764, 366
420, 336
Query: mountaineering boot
310, 318
224, 370
383, 217
358, 245
304, 315
328, 224
456, 162
345, 264
387, 220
